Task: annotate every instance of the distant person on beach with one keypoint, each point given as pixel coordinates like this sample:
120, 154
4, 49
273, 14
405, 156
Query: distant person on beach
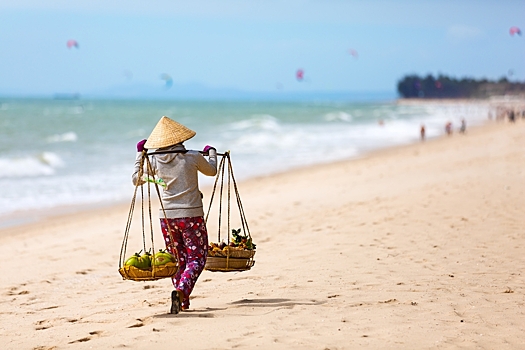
448, 128
182, 216
512, 116
422, 132
463, 127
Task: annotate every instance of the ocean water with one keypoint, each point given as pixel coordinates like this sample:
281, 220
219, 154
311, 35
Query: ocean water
57, 153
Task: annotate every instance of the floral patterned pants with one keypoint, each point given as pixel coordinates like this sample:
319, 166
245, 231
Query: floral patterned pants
189, 240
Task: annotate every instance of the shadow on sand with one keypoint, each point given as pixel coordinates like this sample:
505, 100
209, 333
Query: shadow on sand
273, 304
277, 302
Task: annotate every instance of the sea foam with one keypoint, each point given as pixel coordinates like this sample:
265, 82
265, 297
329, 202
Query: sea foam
30, 166
65, 137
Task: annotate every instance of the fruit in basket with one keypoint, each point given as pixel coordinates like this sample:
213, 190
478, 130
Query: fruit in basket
216, 246
238, 242
141, 262
132, 260
146, 260
162, 258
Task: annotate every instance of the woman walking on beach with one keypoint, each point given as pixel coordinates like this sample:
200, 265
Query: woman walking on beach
182, 220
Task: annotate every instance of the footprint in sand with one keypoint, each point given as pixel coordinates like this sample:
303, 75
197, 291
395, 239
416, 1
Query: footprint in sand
15, 290
81, 340
48, 323
149, 286
43, 324
49, 307
388, 301
88, 338
141, 322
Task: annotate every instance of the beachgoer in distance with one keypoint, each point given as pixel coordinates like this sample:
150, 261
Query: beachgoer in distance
448, 128
422, 132
463, 127
183, 225
512, 116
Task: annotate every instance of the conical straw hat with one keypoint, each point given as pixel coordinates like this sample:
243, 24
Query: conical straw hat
168, 132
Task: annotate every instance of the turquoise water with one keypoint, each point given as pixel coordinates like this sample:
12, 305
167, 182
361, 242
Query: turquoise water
64, 152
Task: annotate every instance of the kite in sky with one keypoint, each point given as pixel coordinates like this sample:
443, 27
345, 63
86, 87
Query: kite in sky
514, 30
72, 43
167, 79
299, 75
354, 53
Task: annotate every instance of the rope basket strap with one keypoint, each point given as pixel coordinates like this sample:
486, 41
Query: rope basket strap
229, 258
154, 272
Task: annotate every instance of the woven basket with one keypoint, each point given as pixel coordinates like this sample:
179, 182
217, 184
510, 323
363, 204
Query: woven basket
152, 274
232, 253
225, 264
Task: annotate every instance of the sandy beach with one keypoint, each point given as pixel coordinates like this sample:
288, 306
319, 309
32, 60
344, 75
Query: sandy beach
413, 247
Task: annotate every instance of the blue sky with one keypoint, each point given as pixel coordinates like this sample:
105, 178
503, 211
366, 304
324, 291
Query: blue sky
253, 45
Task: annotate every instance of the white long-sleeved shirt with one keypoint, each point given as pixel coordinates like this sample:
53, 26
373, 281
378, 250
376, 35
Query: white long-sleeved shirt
181, 198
